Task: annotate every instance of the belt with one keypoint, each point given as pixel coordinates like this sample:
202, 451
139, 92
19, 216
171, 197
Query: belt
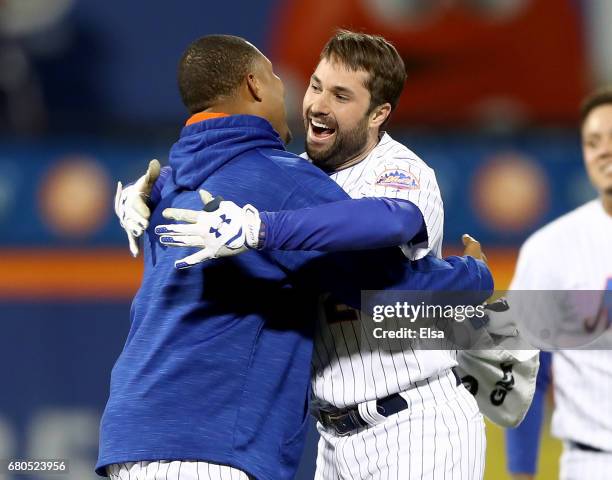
584, 447
345, 420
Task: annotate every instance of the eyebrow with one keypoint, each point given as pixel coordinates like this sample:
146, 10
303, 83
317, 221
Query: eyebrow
335, 88
592, 136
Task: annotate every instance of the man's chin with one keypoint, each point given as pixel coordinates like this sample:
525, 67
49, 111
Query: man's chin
317, 154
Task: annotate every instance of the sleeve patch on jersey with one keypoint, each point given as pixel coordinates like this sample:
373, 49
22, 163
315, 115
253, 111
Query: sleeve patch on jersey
397, 178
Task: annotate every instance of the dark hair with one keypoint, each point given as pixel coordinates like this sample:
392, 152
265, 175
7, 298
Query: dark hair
213, 67
602, 96
375, 55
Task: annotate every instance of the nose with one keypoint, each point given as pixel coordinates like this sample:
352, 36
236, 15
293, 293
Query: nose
319, 106
605, 148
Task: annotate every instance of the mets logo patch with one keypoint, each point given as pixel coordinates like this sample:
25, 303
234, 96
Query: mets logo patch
396, 178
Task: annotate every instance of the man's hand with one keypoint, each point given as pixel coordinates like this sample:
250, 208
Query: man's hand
222, 229
501, 325
473, 248
131, 207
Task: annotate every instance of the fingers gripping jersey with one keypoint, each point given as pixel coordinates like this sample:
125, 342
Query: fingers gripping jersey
347, 368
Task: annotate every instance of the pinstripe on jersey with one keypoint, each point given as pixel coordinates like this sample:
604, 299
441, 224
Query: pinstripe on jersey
440, 436
173, 470
441, 433
347, 369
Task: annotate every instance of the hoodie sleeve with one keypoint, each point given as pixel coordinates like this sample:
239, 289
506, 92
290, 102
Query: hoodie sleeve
361, 224
346, 274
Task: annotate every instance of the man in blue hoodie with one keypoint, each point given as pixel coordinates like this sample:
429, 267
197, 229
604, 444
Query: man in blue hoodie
213, 379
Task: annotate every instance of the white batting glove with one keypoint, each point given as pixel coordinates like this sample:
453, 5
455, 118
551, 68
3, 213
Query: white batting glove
131, 207
222, 229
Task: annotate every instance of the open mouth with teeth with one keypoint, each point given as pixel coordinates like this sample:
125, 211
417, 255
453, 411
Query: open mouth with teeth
320, 130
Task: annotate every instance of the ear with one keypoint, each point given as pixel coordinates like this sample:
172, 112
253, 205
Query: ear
379, 115
254, 87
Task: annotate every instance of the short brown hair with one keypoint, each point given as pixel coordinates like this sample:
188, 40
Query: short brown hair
212, 67
375, 55
602, 96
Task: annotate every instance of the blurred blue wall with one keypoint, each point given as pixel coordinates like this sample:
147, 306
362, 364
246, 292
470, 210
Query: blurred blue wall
550, 160
120, 60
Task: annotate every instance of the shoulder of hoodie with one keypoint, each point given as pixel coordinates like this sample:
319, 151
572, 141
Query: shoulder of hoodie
300, 176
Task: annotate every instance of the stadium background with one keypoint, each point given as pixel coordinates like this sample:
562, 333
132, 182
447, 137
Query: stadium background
88, 95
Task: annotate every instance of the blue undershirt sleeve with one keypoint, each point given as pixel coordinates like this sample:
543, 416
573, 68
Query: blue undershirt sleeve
362, 224
346, 274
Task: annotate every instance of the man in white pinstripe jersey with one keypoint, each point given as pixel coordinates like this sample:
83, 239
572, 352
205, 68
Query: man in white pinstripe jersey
440, 433
382, 413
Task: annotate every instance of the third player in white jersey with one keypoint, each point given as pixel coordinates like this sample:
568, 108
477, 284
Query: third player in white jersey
575, 253
571, 258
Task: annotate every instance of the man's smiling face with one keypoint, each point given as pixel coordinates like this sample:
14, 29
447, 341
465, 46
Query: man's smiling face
597, 147
336, 111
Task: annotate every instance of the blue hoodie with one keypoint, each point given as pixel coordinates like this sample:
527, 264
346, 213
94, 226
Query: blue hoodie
216, 366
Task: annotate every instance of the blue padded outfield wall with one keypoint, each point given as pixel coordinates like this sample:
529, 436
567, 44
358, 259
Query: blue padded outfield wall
499, 189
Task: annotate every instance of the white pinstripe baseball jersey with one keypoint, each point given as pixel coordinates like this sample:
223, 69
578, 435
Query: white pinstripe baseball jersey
439, 436
347, 369
575, 253
173, 470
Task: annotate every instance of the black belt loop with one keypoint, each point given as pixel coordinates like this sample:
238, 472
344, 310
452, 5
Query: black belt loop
346, 420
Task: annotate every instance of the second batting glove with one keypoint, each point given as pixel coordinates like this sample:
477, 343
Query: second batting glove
131, 207
221, 229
